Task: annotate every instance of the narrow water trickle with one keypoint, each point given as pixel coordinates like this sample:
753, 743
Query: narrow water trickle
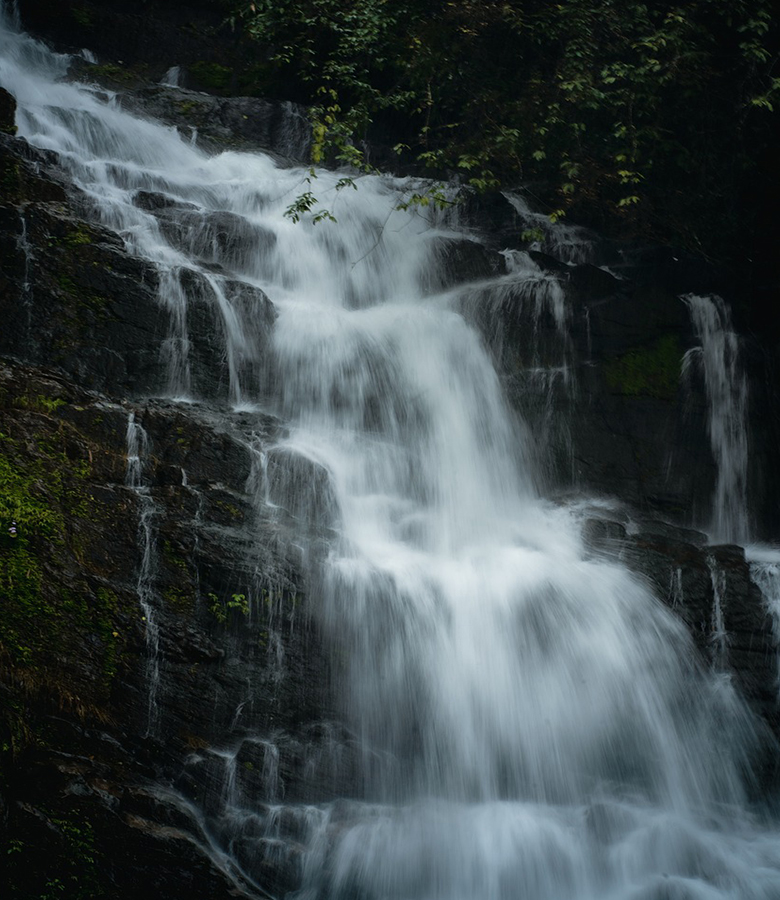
137, 454
27, 276
727, 392
172, 77
522, 721
718, 633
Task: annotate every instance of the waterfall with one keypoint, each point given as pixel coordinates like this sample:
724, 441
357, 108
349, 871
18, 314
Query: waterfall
172, 77
521, 720
727, 393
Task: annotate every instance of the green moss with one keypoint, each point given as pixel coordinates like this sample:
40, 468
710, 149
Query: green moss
652, 371
78, 238
21, 501
211, 75
233, 511
84, 302
21, 581
173, 557
40, 403
10, 178
107, 606
111, 72
67, 284
179, 598
187, 106
33, 494
95, 302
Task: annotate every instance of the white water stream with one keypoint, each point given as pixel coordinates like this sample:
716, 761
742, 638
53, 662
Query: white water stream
137, 457
727, 392
533, 724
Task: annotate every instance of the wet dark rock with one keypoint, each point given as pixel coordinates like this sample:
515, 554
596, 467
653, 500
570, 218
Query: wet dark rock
227, 123
69, 293
304, 486
218, 238
750, 648
703, 585
466, 260
672, 270
7, 112
27, 174
604, 536
492, 215
550, 264
680, 575
152, 201
669, 531
630, 317
593, 282
700, 583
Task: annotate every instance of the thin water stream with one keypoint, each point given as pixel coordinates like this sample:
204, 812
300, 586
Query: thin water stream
727, 391
137, 458
531, 723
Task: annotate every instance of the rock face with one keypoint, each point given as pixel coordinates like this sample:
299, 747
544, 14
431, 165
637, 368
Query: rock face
227, 123
710, 588
157, 638
84, 750
604, 368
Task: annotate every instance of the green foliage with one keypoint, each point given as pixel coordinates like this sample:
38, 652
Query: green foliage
83, 16
221, 609
652, 111
652, 371
69, 869
529, 235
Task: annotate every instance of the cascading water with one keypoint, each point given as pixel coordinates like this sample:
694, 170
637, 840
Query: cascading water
727, 392
528, 722
172, 77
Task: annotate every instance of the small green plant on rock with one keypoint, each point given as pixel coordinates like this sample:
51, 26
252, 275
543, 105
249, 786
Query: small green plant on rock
221, 609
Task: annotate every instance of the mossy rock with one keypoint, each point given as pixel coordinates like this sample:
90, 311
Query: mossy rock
61, 630
651, 371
